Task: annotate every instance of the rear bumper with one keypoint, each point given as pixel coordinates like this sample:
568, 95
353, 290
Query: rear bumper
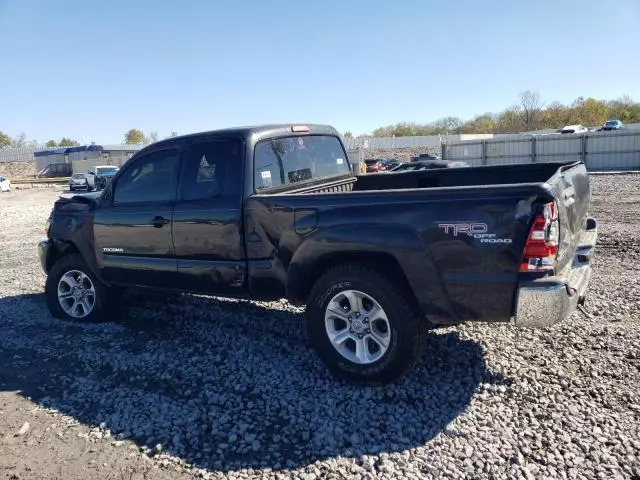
548, 301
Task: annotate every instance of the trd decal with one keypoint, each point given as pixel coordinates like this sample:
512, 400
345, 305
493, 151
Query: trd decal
475, 230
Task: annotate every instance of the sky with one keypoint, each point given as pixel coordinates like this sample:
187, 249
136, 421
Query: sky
92, 70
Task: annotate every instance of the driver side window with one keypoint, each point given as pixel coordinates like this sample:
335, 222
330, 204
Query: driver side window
150, 179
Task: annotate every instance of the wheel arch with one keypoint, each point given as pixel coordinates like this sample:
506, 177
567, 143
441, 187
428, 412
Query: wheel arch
63, 248
58, 250
299, 286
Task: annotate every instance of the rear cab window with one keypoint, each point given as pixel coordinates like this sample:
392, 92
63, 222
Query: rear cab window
297, 160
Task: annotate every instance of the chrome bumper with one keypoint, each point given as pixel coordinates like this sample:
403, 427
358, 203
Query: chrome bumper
548, 301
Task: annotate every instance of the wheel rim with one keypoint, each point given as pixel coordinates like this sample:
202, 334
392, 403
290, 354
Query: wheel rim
76, 294
357, 327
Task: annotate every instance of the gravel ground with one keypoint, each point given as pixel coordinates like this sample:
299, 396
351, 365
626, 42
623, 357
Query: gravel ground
182, 387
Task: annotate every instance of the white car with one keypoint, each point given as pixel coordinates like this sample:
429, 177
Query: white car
5, 184
574, 129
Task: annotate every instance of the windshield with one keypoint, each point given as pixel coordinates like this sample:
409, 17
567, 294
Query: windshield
612, 122
107, 169
78, 175
289, 160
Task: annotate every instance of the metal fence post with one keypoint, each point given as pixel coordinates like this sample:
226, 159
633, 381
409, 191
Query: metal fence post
443, 150
485, 159
534, 146
584, 149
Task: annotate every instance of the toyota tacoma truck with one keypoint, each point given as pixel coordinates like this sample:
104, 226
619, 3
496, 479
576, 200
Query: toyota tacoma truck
271, 212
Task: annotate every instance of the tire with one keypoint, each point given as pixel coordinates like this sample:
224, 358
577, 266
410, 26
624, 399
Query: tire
405, 332
73, 267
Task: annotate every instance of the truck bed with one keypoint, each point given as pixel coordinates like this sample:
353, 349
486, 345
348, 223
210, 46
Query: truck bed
483, 176
453, 177
397, 213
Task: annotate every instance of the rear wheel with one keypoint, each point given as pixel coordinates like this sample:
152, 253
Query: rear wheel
74, 293
364, 327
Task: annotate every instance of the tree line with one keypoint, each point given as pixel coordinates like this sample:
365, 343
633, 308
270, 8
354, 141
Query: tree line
133, 136
529, 113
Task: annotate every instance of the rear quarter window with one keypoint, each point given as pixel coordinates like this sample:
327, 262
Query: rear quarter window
297, 159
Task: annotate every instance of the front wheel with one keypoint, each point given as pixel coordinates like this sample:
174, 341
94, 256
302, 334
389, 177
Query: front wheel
364, 328
74, 293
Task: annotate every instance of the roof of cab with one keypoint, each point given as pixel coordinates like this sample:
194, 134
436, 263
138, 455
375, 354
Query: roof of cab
258, 132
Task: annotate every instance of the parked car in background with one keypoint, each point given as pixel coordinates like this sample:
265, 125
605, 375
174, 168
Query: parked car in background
574, 129
79, 181
390, 163
5, 184
373, 165
415, 166
100, 175
613, 124
425, 156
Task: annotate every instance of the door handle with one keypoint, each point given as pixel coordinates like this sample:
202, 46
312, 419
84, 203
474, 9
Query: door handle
159, 221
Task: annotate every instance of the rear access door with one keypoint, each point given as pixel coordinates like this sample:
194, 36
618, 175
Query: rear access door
207, 219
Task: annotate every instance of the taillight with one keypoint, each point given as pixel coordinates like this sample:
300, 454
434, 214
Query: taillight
541, 248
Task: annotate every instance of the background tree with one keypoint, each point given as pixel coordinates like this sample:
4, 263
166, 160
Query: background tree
530, 109
173, 133
135, 137
20, 141
590, 111
555, 115
447, 126
5, 140
153, 137
347, 135
527, 115
623, 109
52, 144
68, 142
485, 123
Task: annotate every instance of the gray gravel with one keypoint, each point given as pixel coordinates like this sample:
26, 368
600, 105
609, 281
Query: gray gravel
210, 388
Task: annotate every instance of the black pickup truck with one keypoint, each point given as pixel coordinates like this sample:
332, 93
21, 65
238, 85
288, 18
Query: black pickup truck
274, 212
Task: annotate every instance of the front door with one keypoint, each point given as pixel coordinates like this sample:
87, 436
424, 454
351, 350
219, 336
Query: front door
132, 225
207, 219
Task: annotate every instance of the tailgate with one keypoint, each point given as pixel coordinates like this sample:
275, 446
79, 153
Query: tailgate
572, 193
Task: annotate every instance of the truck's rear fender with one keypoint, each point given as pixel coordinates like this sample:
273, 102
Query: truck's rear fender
398, 251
